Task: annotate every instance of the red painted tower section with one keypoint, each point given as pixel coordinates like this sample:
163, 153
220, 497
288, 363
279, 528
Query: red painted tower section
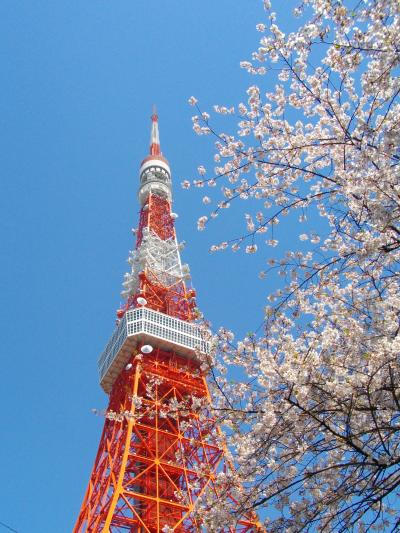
159, 451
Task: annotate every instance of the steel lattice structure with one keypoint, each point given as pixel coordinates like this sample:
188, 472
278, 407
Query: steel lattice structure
158, 452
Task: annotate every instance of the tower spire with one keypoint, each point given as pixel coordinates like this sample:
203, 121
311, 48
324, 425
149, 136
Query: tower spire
155, 135
155, 173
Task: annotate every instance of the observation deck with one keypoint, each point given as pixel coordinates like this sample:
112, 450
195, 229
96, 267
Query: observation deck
141, 326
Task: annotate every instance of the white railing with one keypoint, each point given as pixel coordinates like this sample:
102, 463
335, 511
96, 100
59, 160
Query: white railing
146, 325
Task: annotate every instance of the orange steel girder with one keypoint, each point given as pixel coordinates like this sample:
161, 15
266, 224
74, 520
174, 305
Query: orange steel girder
156, 215
146, 472
175, 299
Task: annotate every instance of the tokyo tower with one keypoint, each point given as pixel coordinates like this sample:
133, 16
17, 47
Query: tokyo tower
158, 453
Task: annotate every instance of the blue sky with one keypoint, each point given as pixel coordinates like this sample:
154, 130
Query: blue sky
78, 82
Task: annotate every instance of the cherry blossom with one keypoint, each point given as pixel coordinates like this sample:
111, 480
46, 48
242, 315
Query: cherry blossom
314, 429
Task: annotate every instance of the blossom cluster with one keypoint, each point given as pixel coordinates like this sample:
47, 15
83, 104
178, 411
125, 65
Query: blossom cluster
315, 429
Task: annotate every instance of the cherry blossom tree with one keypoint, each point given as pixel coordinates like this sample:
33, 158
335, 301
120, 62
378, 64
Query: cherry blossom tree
314, 428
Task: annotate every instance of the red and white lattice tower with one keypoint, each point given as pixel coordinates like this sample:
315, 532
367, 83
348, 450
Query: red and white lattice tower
157, 453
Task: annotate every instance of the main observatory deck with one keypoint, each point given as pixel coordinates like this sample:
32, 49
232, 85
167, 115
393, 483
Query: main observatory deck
143, 325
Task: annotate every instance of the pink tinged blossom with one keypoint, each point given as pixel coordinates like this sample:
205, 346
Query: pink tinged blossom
249, 223
201, 223
246, 65
242, 109
251, 249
